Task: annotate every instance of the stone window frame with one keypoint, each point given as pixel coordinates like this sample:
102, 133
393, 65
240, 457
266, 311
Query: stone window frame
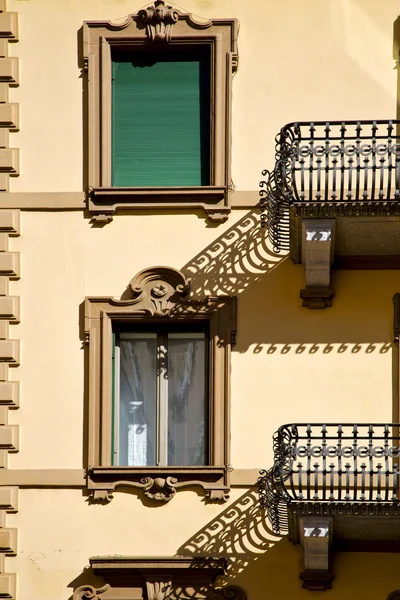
158, 24
158, 295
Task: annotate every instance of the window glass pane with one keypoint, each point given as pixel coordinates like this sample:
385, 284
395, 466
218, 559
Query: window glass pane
137, 405
187, 399
161, 118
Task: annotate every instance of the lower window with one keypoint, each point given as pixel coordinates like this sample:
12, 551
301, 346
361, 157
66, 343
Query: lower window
158, 367
160, 398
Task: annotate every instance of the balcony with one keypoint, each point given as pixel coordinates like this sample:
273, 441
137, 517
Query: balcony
334, 484
326, 173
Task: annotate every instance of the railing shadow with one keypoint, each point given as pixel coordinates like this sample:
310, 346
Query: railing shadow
239, 533
240, 257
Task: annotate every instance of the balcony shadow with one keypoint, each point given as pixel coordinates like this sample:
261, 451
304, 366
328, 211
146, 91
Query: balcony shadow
265, 565
235, 260
240, 533
271, 318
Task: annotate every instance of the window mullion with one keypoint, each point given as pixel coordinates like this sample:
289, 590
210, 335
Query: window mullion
162, 399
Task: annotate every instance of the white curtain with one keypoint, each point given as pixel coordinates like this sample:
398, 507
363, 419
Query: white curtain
187, 444
137, 419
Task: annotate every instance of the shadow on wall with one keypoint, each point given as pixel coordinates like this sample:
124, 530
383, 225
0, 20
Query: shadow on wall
271, 318
267, 566
237, 259
240, 533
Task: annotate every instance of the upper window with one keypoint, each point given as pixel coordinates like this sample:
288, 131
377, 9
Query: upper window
158, 388
159, 112
161, 118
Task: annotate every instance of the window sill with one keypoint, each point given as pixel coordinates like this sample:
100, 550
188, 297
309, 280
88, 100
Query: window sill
104, 202
158, 483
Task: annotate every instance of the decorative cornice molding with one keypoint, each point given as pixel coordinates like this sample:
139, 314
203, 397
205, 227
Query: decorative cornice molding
161, 577
344, 209
161, 483
341, 508
159, 20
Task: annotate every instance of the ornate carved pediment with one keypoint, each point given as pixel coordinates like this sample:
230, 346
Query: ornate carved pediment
169, 578
159, 20
157, 290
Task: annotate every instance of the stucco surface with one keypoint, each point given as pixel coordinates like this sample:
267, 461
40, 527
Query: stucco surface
298, 61
59, 531
290, 364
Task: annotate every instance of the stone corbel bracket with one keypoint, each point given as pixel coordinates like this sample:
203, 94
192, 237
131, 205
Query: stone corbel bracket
316, 538
160, 578
317, 257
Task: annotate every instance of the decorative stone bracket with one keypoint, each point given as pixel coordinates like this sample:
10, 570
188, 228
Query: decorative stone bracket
168, 578
317, 257
158, 484
315, 538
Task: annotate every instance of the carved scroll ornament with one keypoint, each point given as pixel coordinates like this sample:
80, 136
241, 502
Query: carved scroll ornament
159, 20
157, 289
88, 592
163, 489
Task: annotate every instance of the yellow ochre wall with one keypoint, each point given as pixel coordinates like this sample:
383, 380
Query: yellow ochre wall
309, 60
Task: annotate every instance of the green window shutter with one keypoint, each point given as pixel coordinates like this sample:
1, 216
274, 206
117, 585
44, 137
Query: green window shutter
161, 118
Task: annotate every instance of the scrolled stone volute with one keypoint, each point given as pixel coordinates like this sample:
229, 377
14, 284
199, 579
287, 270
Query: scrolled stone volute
158, 20
154, 289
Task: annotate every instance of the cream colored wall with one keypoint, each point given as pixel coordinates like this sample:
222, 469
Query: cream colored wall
311, 60
58, 531
289, 364
330, 59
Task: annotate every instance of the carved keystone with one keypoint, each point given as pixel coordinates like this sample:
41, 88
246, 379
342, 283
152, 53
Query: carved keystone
159, 20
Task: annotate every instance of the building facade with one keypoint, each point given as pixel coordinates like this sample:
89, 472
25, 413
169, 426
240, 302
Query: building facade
165, 319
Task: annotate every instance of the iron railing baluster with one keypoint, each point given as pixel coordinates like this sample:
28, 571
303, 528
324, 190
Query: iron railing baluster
344, 480
354, 164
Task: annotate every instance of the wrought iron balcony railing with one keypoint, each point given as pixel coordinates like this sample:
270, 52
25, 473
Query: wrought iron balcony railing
339, 167
331, 463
